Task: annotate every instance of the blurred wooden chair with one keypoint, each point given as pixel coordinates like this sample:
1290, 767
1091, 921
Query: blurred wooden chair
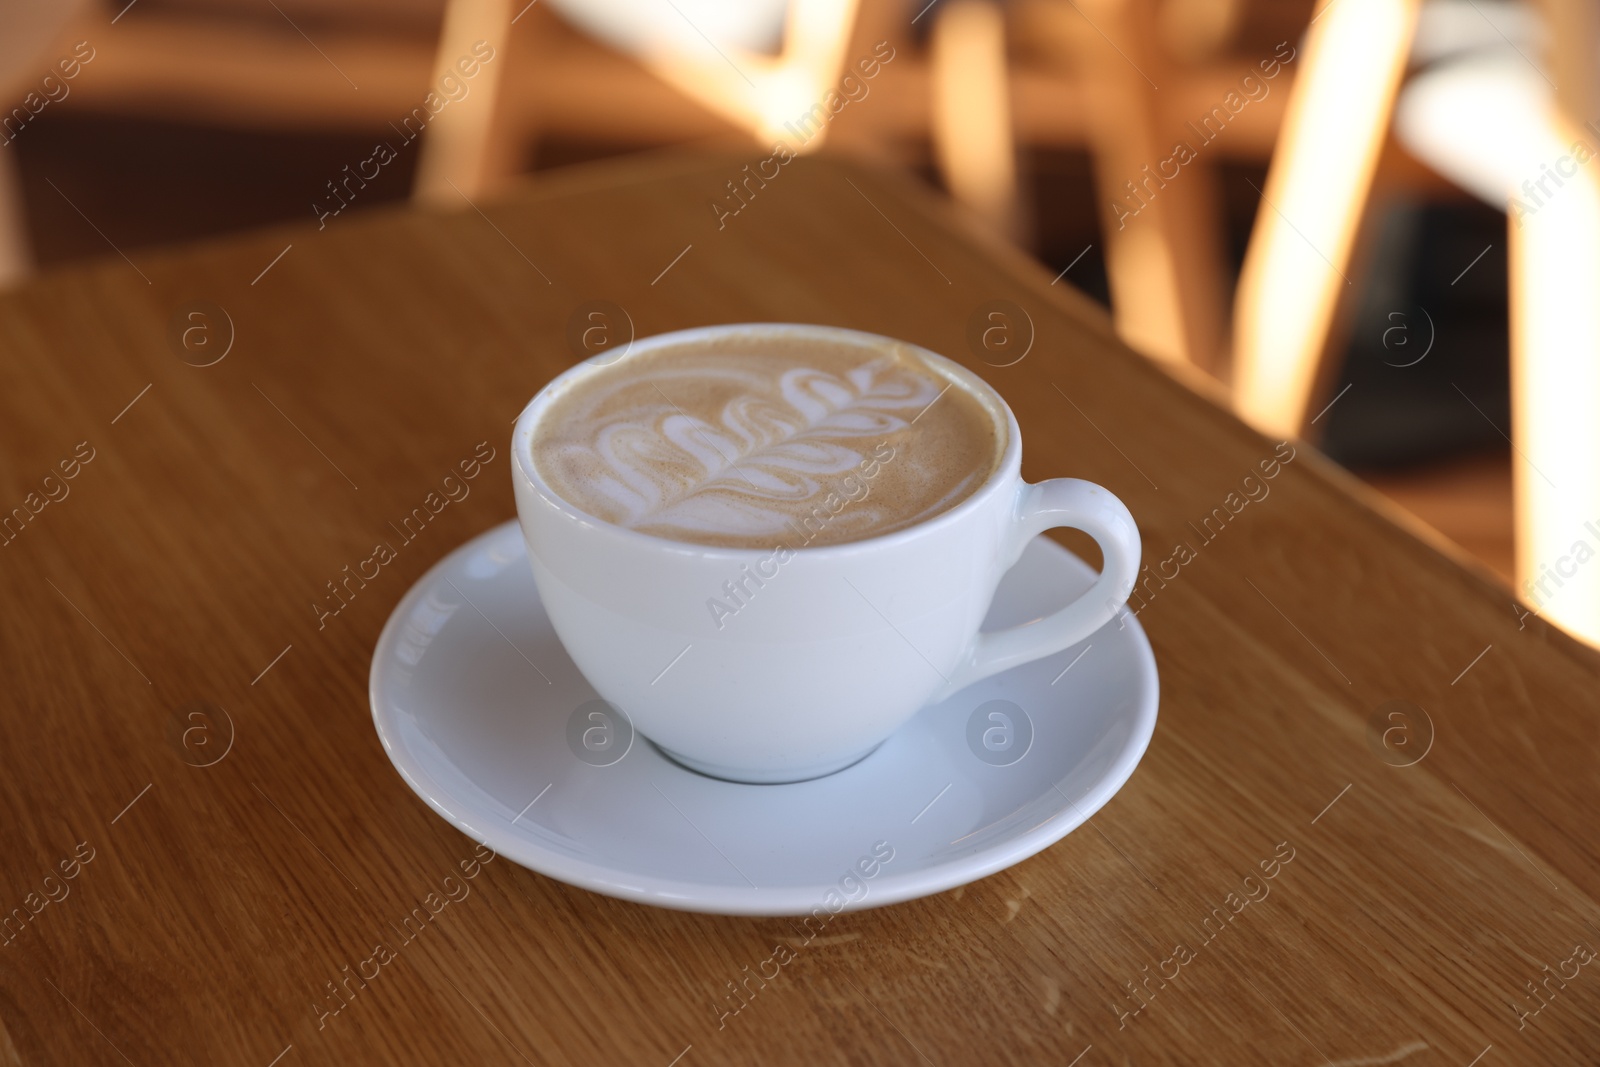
763, 77
1484, 114
1045, 73
1295, 273
1123, 79
225, 62
367, 64
1048, 73
1138, 76
756, 67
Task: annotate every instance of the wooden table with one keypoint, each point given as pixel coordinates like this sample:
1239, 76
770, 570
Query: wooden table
185, 740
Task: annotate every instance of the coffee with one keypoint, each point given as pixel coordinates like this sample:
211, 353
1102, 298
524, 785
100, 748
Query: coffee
759, 439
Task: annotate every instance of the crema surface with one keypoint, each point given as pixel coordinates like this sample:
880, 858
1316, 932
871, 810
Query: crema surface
756, 441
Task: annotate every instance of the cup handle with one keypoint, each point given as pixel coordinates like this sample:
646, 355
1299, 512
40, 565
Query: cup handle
1084, 506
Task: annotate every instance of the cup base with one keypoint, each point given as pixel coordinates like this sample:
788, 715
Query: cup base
745, 776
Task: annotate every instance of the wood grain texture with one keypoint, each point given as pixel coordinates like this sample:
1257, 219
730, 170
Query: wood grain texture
377, 353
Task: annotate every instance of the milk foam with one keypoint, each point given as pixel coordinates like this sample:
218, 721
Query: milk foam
758, 440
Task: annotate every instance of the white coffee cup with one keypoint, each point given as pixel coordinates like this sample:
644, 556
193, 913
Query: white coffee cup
838, 645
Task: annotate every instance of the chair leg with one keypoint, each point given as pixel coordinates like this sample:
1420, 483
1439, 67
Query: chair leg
15, 261
1295, 274
873, 132
468, 148
972, 134
1555, 384
1163, 236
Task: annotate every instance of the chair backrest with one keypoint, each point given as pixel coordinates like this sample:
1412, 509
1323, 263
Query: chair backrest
758, 63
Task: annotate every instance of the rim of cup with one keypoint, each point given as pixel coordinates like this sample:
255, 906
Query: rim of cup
1006, 469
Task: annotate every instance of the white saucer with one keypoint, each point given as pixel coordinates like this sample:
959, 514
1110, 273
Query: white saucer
485, 716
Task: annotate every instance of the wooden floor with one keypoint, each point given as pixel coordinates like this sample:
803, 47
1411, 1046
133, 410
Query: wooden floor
1466, 499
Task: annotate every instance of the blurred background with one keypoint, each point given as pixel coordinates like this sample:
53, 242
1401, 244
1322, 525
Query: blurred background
1371, 222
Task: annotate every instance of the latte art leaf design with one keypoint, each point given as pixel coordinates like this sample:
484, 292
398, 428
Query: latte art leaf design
749, 468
